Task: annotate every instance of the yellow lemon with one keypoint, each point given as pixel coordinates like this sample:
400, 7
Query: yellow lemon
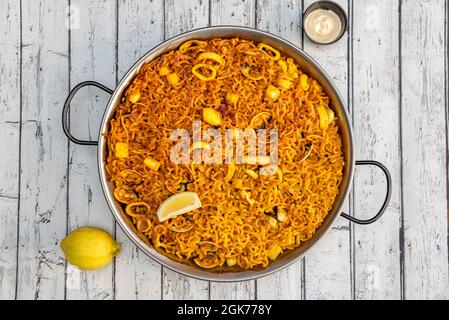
89, 248
178, 204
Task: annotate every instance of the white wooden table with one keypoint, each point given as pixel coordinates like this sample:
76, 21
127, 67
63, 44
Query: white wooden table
391, 67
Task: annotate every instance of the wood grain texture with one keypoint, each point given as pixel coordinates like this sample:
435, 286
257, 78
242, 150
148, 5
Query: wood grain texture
136, 275
284, 19
424, 153
10, 136
328, 265
376, 129
224, 12
233, 12
184, 15
43, 192
92, 57
181, 16
286, 284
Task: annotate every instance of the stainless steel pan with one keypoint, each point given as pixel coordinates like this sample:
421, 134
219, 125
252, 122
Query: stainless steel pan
307, 64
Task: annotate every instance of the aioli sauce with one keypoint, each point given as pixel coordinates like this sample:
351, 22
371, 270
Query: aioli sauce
323, 26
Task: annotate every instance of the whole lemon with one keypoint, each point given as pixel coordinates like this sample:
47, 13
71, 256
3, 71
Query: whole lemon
89, 248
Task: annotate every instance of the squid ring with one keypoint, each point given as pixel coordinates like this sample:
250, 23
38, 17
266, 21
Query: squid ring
212, 56
134, 209
211, 76
192, 44
275, 54
144, 225
124, 195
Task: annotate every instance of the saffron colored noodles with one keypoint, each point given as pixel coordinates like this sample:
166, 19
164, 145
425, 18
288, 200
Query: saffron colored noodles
247, 219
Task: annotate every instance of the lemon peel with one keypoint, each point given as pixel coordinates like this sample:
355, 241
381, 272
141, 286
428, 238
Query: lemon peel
89, 248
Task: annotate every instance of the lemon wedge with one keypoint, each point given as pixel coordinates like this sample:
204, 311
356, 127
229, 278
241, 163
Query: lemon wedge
178, 204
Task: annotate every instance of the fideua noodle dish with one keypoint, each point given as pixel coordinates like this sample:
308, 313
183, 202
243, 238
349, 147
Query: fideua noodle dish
225, 154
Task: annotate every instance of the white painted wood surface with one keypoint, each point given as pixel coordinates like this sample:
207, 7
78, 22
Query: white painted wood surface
43, 158
376, 109
424, 149
391, 67
10, 137
92, 53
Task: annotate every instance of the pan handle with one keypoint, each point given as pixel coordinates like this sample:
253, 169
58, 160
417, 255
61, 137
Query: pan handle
66, 109
387, 197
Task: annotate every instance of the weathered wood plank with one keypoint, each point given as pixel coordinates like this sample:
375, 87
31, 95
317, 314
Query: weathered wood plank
424, 150
92, 57
140, 28
282, 285
185, 15
232, 13
43, 192
282, 18
181, 16
243, 290
376, 129
328, 267
10, 136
